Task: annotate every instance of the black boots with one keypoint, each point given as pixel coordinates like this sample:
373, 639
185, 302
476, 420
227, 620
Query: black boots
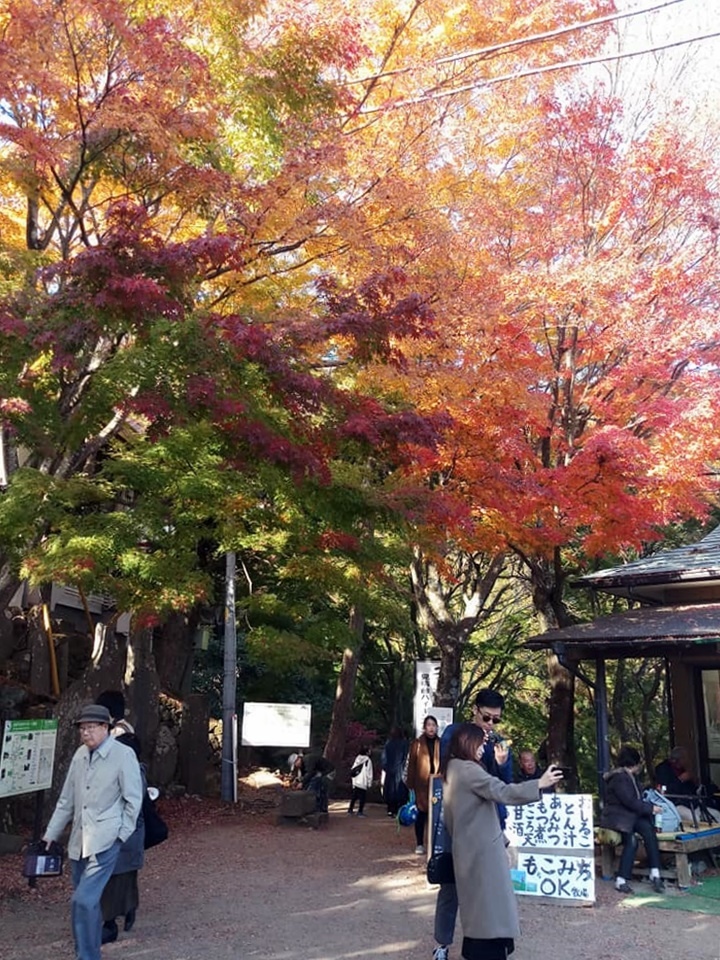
110, 928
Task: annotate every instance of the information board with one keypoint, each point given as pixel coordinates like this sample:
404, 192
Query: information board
27, 756
553, 849
276, 725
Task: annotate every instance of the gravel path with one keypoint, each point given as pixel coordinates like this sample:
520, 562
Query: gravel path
231, 886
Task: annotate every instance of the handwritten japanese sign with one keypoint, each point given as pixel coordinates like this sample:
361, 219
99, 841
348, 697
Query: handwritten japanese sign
553, 847
559, 821
549, 875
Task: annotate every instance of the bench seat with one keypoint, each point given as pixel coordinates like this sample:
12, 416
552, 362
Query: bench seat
678, 845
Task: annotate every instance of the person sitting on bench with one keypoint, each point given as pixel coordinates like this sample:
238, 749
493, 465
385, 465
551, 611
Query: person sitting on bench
626, 811
689, 796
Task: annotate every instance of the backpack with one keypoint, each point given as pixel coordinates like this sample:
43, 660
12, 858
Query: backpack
671, 821
407, 814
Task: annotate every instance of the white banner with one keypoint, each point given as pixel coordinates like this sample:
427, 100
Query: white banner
276, 725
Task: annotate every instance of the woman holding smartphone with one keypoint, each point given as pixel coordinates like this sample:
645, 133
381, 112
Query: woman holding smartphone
488, 909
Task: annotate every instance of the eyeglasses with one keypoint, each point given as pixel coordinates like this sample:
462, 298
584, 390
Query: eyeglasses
488, 719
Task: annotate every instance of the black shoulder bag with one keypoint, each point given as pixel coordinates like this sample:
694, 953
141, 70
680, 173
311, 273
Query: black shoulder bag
440, 868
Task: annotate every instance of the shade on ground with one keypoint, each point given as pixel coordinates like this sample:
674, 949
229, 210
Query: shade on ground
703, 898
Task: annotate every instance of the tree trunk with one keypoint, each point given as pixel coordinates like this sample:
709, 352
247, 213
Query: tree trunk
452, 608
344, 692
9, 635
143, 689
99, 675
561, 719
547, 586
174, 653
450, 676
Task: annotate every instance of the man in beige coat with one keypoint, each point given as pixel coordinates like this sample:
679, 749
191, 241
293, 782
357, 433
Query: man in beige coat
102, 797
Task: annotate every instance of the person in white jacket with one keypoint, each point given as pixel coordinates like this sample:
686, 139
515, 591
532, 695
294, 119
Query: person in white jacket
362, 778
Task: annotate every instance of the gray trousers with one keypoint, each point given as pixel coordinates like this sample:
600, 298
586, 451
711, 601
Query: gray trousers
446, 908
89, 877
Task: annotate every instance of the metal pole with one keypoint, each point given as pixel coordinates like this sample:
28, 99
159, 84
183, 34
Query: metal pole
602, 731
228, 778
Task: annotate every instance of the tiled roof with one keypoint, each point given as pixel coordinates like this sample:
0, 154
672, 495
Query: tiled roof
697, 562
685, 625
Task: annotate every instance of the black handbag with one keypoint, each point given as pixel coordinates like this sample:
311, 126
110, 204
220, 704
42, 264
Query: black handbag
156, 830
440, 868
357, 768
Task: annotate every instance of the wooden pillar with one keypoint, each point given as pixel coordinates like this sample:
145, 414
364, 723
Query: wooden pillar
601, 726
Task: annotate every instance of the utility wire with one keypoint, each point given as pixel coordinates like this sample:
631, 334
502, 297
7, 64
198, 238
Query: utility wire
534, 71
518, 42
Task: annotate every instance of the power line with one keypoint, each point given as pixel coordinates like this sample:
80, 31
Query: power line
535, 71
517, 42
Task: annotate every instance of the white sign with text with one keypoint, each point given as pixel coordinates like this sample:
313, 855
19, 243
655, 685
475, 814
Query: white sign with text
276, 725
553, 847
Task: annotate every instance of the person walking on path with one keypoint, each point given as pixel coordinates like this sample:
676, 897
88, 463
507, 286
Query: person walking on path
627, 812
497, 760
121, 897
362, 778
488, 904
101, 797
423, 762
394, 755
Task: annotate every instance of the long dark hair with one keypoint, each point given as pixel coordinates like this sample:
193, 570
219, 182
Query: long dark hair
628, 756
464, 743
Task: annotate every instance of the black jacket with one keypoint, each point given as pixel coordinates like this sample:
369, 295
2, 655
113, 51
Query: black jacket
623, 801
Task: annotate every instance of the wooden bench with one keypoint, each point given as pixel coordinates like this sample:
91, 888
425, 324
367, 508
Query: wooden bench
679, 845
689, 841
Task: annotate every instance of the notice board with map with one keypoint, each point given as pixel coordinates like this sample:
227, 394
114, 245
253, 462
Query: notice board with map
27, 756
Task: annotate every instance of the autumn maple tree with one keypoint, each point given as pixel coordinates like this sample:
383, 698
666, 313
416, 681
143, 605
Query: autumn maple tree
583, 353
322, 281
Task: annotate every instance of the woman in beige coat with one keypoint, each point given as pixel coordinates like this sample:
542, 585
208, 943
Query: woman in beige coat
423, 762
488, 911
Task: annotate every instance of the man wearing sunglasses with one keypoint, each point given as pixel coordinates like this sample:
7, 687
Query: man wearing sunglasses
497, 760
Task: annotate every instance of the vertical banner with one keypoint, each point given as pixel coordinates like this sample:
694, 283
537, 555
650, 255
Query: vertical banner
426, 679
552, 847
439, 838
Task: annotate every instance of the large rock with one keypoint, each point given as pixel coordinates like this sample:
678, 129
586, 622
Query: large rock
297, 803
165, 759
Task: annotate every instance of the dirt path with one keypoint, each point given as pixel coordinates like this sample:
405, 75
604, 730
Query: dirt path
238, 887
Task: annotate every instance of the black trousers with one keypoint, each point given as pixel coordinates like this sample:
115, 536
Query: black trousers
645, 828
420, 824
498, 949
358, 794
